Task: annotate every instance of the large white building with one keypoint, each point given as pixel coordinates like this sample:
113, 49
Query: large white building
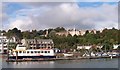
4, 42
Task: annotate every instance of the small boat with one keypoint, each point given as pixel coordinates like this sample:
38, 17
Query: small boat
67, 54
21, 52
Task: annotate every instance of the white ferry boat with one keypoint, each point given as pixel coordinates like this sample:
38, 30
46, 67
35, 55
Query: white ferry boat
21, 52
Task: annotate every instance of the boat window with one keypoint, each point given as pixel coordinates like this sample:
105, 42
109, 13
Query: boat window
35, 51
38, 51
31, 51
41, 51
24, 51
48, 51
20, 51
45, 51
27, 51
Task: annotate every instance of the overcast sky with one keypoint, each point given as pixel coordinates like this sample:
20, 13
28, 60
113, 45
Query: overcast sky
44, 15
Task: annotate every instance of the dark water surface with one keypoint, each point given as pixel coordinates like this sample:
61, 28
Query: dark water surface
83, 63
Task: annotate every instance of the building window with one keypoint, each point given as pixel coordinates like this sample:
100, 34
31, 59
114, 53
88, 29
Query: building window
29, 42
38, 47
27, 51
5, 46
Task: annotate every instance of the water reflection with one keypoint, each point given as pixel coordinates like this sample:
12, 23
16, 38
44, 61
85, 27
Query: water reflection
83, 63
42, 64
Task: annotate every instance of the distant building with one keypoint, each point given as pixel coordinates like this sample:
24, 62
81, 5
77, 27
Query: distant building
101, 30
38, 43
62, 33
94, 31
82, 32
73, 32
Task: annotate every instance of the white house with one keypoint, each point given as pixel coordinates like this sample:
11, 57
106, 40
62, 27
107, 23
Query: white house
115, 46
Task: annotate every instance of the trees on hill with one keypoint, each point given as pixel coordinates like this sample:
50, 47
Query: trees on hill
14, 32
107, 38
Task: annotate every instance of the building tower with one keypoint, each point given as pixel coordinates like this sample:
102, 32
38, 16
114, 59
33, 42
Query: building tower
46, 33
74, 30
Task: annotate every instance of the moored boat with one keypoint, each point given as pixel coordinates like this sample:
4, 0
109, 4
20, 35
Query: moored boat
21, 52
67, 54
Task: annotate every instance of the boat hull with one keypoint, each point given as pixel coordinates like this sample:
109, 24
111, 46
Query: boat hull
22, 57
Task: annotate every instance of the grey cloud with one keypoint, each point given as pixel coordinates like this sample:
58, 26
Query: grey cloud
67, 15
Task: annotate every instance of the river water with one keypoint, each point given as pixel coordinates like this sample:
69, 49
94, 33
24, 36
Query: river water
83, 63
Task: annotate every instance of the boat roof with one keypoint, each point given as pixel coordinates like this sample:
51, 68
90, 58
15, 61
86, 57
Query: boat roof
34, 50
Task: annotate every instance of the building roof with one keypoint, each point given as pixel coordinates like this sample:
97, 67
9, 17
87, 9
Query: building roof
43, 40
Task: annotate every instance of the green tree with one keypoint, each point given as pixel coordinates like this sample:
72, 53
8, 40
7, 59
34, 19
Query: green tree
26, 35
12, 45
14, 32
59, 29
